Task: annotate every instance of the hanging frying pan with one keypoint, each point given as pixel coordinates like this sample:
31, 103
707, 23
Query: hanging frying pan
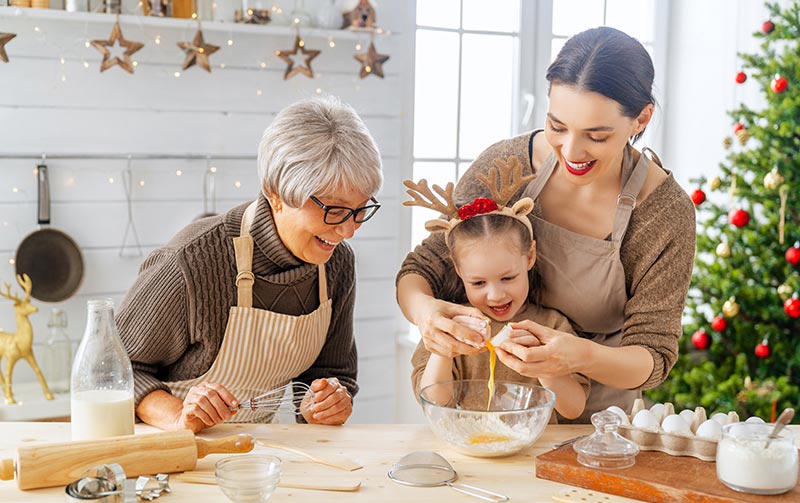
50, 257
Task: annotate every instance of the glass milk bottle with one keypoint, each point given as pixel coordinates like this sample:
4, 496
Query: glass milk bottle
57, 361
102, 379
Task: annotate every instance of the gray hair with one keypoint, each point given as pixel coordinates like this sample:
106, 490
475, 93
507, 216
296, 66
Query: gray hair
318, 146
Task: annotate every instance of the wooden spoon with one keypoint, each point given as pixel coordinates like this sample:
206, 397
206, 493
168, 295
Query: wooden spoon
286, 481
339, 462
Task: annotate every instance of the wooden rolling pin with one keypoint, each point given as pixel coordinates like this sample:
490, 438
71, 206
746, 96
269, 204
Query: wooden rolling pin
48, 465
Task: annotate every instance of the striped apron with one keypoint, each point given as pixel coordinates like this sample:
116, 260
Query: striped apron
261, 349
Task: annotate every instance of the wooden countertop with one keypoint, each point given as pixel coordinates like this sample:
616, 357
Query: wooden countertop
376, 447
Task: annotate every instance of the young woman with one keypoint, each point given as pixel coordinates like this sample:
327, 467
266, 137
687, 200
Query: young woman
615, 233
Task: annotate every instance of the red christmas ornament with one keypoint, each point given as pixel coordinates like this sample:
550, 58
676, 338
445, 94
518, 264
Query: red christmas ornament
778, 84
719, 323
738, 217
741, 77
698, 196
701, 340
767, 27
762, 350
792, 307
793, 254
737, 127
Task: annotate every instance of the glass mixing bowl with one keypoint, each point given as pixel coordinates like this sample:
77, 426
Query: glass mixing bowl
249, 478
515, 418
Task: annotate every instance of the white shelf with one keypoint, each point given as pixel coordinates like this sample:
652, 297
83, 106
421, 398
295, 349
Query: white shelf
32, 405
169, 22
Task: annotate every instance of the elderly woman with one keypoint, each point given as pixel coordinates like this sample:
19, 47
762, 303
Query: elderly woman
263, 295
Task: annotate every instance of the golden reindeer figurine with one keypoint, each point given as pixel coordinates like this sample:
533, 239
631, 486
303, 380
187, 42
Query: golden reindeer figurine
14, 346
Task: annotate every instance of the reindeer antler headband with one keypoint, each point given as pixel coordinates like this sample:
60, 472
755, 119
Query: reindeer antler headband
511, 179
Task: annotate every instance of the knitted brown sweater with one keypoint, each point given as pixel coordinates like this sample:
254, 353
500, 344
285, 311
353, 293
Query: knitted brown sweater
172, 320
657, 254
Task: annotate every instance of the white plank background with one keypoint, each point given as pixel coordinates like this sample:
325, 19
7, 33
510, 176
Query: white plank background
50, 106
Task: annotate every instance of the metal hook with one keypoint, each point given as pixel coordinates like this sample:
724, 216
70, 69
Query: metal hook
127, 181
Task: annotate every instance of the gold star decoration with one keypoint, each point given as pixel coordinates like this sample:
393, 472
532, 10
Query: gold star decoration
371, 62
4, 39
130, 48
291, 69
197, 51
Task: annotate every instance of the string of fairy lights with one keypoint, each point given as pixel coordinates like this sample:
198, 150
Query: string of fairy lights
117, 50
132, 178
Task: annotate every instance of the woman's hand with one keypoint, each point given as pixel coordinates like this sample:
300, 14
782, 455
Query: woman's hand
538, 351
330, 404
206, 404
449, 330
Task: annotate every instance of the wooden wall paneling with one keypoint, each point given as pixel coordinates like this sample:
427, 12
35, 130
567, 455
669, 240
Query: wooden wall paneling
123, 131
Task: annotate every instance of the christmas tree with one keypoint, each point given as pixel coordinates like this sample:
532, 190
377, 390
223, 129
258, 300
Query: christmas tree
741, 345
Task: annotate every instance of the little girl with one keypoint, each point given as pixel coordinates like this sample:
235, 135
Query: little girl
492, 248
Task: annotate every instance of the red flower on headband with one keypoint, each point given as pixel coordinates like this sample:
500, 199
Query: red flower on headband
479, 206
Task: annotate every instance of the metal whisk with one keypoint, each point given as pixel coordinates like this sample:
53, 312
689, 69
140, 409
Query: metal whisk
289, 395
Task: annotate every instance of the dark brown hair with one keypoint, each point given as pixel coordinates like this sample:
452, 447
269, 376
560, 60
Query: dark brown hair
608, 62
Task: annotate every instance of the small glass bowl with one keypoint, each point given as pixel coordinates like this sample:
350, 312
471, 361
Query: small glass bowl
249, 478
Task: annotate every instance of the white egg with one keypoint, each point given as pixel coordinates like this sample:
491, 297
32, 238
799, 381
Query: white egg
754, 419
687, 415
721, 418
710, 430
645, 419
621, 413
657, 410
675, 424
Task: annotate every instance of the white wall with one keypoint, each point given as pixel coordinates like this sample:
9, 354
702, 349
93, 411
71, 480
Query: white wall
704, 40
217, 114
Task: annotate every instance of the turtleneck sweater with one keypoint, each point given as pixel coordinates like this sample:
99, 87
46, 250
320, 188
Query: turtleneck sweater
172, 320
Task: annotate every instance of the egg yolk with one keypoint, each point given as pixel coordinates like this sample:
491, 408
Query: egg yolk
487, 437
492, 363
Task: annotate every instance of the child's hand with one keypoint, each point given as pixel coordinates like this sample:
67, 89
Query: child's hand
523, 338
480, 325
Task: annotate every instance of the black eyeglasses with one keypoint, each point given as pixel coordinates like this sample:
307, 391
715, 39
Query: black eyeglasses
335, 215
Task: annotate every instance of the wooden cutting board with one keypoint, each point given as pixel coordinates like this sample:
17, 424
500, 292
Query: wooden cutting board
656, 477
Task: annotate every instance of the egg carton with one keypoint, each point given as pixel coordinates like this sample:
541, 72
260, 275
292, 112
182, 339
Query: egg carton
655, 438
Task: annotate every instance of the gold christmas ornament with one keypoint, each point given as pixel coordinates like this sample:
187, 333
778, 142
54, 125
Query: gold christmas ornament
197, 51
730, 308
4, 39
727, 142
773, 179
723, 250
291, 69
715, 183
19, 345
130, 48
743, 135
785, 291
371, 62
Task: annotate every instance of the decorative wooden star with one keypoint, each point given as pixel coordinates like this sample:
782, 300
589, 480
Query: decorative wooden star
4, 39
291, 69
130, 48
371, 62
197, 51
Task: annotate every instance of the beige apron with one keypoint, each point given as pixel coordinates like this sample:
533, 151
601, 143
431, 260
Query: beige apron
262, 349
583, 277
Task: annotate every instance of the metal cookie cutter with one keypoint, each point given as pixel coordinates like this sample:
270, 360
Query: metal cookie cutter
108, 484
